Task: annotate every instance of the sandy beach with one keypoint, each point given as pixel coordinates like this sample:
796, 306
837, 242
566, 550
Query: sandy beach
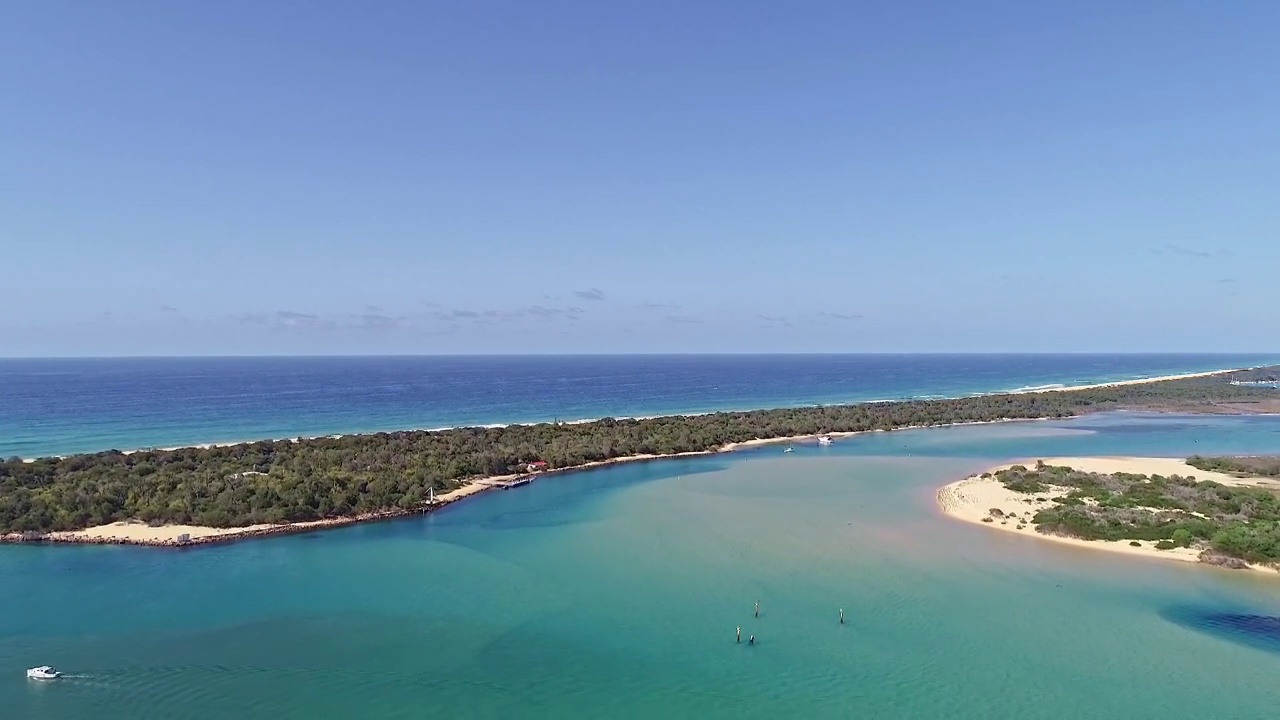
132, 532
974, 498
1138, 381
140, 532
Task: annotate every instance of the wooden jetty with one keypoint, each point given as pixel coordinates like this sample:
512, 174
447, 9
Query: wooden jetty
506, 484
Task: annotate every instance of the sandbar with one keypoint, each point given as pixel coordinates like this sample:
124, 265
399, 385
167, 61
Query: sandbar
973, 498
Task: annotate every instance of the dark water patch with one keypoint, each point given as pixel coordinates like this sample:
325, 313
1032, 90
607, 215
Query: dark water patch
1148, 429
1240, 626
1128, 422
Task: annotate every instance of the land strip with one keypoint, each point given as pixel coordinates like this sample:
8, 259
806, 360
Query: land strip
223, 493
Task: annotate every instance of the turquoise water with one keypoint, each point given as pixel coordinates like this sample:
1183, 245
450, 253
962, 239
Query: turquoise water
615, 593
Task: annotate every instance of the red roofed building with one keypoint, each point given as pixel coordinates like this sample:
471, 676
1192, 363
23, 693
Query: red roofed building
537, 465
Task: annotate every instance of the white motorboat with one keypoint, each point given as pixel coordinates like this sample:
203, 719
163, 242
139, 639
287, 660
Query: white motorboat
44, 672
824, 440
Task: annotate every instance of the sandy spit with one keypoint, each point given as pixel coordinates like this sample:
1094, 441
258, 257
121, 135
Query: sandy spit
973, 499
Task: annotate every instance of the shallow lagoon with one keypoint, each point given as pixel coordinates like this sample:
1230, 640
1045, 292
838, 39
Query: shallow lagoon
617, 592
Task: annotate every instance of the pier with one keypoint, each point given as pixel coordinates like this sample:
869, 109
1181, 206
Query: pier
505, 484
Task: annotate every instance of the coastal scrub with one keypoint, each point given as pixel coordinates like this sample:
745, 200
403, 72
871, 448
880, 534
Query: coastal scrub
1173, 511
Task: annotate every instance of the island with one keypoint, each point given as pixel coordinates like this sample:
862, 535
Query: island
1219, 510
199, 495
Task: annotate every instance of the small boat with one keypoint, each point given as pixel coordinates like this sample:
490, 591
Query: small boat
44, 672
789, 449
824, 440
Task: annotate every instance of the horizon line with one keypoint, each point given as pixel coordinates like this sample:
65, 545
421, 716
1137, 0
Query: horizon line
938, 353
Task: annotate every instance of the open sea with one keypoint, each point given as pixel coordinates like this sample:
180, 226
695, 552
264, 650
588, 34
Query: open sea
616, 592
63, 406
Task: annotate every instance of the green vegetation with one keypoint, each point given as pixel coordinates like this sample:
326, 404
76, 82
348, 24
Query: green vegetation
1247, 466
1241, 522
286, 481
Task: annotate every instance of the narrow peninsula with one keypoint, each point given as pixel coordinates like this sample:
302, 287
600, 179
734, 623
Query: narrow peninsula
221, 493
1223, 511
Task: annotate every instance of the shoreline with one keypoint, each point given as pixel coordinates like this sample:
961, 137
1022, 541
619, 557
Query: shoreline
583, 421
1124, 383
141, 534
973, 498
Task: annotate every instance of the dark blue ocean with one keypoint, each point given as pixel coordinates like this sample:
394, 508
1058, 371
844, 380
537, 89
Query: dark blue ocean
60, 406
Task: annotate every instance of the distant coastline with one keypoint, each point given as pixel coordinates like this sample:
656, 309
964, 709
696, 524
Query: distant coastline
171, 534
584, 421
70, 407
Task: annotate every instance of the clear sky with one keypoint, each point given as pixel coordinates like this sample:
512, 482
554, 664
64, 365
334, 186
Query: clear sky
511, 176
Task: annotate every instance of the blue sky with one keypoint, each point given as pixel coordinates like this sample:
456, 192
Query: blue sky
404, 177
